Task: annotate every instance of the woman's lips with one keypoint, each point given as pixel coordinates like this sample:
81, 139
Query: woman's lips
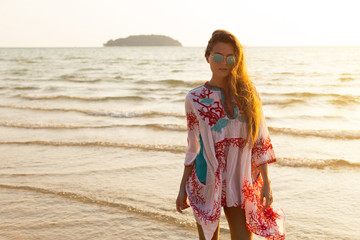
223, 69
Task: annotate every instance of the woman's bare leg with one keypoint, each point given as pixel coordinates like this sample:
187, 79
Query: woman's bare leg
237, 223
201, 233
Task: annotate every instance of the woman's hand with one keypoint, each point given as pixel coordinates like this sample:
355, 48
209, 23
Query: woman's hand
181, 202
266, 193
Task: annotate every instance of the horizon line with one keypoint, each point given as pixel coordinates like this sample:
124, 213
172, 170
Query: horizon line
179, 46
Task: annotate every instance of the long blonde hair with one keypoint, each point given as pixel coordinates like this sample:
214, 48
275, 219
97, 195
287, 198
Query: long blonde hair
239, 86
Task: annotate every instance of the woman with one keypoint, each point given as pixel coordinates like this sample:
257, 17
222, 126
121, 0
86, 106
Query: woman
228, 150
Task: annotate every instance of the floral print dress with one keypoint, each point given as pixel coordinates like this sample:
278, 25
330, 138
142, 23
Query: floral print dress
226, 171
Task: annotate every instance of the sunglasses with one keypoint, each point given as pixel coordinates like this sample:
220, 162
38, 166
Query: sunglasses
218, 58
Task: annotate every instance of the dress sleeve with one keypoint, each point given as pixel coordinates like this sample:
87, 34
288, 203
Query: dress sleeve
193, 132
262, 151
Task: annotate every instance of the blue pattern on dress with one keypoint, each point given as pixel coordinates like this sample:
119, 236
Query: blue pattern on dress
207, 100
200, 164
220, 124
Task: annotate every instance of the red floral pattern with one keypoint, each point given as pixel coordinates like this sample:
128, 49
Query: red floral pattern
209, 215
196, 189
221, 148
223, 192
197, 198
205, 93
212, 112
261, 153
255, 171
260, 222
261, 146
191, 120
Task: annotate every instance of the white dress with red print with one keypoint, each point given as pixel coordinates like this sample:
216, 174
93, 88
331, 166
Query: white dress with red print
226, 171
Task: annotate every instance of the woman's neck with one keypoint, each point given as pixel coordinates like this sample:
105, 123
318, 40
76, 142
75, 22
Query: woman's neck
218, 82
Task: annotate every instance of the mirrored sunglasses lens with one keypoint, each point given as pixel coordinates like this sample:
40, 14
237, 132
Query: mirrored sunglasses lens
218, 58
230, 60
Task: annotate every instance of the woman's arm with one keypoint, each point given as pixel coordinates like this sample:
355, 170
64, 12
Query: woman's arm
186, 174
266, 189
265, 173
193, 140
181, 202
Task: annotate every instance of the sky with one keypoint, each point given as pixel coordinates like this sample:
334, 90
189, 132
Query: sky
90, 23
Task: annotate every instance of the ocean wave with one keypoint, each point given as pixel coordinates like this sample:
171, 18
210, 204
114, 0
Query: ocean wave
299, 97
47, 126
26, 88
344, 101
68, 76
286, 73
85, 80
323, 133
77, 78
310, 95
90, 69
173, 83
66, 97
283, 102
75, 58
18, 72
143, 63
166, 127
146, 114
318, 163
346, 79
123, 203
67, 195
149, 114
21, 60
346, 74
88, 172
146, 147
314, 117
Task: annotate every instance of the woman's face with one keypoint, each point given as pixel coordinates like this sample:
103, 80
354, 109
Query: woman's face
222, 69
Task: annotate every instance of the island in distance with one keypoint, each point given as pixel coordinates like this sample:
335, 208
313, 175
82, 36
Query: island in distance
143, 40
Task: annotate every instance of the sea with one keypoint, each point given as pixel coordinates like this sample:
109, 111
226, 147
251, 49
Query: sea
93, 140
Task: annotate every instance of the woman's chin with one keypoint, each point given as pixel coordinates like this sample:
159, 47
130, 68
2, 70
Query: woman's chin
222, 74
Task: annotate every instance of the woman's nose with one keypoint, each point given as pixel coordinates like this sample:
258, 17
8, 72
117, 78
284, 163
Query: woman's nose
223, 61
